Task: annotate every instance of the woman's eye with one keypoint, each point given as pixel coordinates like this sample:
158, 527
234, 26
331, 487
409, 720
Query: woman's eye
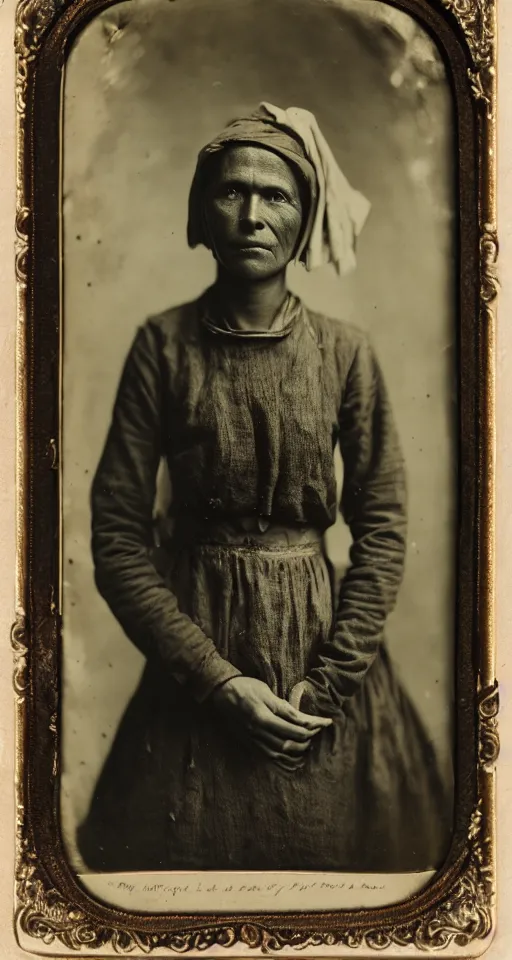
231, 193
277, 197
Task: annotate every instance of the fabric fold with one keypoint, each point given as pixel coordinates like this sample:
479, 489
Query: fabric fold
337, 212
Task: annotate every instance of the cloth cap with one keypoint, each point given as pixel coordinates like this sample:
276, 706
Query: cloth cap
336, 212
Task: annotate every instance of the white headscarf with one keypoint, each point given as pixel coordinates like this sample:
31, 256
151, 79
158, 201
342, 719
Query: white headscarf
341, 211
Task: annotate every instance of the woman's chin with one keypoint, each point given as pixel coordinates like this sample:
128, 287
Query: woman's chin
252, 270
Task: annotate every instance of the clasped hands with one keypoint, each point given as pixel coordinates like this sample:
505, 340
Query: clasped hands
276, 727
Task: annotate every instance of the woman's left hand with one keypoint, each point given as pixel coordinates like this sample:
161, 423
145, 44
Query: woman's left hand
261, 718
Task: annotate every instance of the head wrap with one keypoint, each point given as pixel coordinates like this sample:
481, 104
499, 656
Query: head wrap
337, 212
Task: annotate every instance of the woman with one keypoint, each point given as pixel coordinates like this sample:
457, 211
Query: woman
269, 730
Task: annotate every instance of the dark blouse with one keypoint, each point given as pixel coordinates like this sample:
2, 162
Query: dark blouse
248, 428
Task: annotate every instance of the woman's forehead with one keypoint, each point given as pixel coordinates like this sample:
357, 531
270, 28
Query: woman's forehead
255, 165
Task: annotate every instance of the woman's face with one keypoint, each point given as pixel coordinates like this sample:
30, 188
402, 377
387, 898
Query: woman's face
253, 212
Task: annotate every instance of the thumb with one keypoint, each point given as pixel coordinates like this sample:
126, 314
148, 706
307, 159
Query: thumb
295, 700
288, 712
296, 694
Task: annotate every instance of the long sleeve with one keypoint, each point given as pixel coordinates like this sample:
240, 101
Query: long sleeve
373, 504
123, 495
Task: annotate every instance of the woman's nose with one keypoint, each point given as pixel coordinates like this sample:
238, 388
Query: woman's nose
251, 213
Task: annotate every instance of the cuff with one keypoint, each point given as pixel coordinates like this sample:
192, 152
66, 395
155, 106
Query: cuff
319, 701
213, 674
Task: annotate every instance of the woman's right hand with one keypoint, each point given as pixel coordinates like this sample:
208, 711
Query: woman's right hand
278, 729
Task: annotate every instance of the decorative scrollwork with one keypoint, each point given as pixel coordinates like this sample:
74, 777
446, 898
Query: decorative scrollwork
20, 650
488, 740
488, 261
22, 244
464, 914
33, 18
477, 20
467, 914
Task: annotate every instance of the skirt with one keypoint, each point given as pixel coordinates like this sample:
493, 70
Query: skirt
180, 792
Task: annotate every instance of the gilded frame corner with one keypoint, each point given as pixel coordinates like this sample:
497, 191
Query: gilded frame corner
457, 913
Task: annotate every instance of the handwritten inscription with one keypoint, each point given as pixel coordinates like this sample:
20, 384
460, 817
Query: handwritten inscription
213, 892
274, 889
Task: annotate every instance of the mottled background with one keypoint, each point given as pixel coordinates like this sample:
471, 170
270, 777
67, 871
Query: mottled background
146, 85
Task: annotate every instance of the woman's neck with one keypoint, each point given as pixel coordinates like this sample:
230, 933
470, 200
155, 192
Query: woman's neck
250, 305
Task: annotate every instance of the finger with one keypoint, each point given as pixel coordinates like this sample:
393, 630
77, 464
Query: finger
268, 721
287, 767
285, 710
286, 763
291, 763
289, 747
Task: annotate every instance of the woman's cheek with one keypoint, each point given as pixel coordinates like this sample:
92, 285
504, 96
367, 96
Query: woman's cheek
290, 231
223, 214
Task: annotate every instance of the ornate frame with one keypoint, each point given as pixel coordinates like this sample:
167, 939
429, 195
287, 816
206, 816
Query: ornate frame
457, 912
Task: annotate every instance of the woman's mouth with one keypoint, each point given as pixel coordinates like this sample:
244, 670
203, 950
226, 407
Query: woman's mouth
252, 249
